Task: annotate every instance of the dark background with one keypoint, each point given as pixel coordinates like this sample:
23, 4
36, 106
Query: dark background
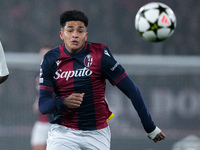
172, 99
26, 25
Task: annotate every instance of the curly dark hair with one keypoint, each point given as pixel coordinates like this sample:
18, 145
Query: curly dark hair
73, 15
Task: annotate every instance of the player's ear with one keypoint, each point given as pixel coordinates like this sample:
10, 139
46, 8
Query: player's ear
61, 34
86, 35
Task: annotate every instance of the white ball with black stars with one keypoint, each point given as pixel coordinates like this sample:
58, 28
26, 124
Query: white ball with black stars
155, 21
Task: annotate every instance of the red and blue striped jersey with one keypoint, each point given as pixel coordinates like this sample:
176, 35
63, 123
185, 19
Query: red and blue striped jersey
84, 72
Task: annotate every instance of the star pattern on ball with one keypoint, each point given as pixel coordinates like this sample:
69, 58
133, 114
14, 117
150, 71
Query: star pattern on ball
162, 9
154, 26
172, 26
155, 21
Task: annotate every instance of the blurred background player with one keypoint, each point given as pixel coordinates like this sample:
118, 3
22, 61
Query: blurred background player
40, 129
3, 66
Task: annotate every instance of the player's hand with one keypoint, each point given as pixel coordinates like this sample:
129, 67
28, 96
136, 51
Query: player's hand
74, 100
160, 136
156, 135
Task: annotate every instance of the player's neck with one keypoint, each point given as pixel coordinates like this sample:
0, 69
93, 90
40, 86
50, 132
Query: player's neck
74, 51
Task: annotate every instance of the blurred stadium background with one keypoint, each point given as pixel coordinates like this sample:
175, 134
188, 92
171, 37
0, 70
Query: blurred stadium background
167, 73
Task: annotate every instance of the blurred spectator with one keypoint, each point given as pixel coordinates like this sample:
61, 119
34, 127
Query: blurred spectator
40, 129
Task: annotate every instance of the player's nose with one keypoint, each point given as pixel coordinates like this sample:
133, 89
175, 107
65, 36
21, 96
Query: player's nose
75, 34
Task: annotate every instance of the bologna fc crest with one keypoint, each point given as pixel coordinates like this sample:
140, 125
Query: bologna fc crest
88, 60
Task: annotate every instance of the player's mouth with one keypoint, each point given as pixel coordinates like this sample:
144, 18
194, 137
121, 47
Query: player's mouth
74, 42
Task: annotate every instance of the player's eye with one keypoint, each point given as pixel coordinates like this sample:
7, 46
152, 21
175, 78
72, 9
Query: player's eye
70, 30
80, 31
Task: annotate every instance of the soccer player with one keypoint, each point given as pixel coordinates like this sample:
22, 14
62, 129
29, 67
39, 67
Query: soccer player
4, 73
41, 127
76, 71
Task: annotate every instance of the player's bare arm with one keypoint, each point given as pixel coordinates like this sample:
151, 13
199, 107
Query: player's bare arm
74, 100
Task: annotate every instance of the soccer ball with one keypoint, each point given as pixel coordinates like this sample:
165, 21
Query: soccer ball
155, 21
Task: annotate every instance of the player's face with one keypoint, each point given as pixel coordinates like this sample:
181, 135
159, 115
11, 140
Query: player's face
74, 35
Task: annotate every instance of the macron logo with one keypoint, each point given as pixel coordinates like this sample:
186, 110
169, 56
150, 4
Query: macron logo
58, 62
106, 53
